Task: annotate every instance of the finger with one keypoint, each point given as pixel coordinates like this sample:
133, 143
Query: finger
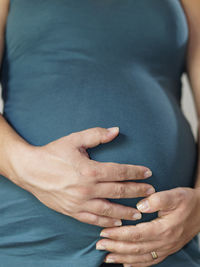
123, 190
145, 259
94, 219
112, 171
145, 264
125, 247
164, 200
145, 231
93, 136
155, 262
104, 207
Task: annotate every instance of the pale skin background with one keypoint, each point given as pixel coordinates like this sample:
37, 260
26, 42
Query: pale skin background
130, 245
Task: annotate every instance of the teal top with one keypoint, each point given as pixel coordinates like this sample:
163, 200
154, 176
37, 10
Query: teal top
69, 65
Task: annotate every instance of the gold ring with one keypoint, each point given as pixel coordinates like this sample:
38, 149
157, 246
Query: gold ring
154, 255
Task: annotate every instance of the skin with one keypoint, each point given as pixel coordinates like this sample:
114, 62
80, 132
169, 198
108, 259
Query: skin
66, 179
178, 209
131, 245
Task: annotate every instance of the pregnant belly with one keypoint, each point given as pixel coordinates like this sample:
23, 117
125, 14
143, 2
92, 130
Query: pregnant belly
153, 133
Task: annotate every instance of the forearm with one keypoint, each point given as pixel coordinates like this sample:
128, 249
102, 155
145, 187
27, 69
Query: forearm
11, 144
12, 148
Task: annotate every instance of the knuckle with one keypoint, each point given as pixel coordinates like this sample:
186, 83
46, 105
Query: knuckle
84, 191
155, 199
182, 193
139, 172
89, 171
120, 190
69, 211
141, 189
129, 212
97, 130
120, 246
73, 205
168, 233
135, 233
136, 250
122, 170
158, 227
124, 232
162, 227
103, 169
137, 236
106, 210
76, 200
95, 220
87, 218
82, 217
176, 232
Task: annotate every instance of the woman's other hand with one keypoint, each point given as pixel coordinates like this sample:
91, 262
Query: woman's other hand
63, 177
177, 223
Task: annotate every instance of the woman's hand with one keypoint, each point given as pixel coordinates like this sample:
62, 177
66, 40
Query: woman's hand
177, 223
63, 177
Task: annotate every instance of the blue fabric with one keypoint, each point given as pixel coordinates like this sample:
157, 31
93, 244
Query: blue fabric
70, 65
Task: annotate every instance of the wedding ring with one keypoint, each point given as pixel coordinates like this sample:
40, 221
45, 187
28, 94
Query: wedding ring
154, 255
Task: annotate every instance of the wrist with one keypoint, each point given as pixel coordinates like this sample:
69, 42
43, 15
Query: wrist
17, 159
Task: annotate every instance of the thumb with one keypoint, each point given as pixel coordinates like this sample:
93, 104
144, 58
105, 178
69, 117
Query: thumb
164, 200
94, 136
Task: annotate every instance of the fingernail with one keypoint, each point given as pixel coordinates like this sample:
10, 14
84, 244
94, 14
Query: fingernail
109, 259
143, 205
128, 265
100, 247
150, 190
147, 174
104, 234
137, 216
112, 130
118, 223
